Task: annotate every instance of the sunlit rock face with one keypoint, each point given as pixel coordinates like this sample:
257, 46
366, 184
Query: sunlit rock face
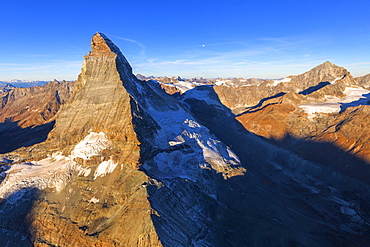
364, 81
28, 114
91, 192
23, 105
127, 164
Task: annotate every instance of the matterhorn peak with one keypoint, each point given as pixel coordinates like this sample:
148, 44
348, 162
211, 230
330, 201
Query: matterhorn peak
99, 45
102, 46
332, 69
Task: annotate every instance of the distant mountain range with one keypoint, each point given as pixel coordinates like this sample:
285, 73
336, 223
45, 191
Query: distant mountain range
22, 83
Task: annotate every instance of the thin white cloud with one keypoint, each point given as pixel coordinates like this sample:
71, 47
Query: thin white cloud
360, 63
265, 57
40, 66
142, 47
63, 69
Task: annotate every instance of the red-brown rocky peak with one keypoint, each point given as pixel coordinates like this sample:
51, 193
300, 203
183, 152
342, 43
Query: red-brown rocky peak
99, 45
102, 45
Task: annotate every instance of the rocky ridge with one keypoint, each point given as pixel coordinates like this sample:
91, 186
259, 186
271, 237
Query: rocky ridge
23, 105
27, 114
364, 81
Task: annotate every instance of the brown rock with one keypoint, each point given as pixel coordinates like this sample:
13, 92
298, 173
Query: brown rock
239, 98
364, 81
350, 131
27, 114
34, 105
95, 210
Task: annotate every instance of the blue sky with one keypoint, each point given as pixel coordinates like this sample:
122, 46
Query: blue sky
43, 40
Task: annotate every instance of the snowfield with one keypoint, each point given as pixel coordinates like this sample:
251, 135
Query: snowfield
354, 96
54, 171
277, 82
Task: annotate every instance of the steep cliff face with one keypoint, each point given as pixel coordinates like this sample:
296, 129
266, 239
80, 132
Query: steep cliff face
187, 165
91, 192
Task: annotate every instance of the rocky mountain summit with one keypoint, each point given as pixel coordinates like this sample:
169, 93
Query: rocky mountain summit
125, 163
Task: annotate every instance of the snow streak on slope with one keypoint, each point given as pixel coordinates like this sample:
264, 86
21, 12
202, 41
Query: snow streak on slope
277, 82
104, 168
182, 86
222, 82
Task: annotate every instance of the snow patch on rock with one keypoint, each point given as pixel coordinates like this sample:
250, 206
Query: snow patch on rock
354, 96
94, 200
277, 82
222, 82
52, 172
55, 171
105, 168
182, 86
192, 123
91, 145
337, 79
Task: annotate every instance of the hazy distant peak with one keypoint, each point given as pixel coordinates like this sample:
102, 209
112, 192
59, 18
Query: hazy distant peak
327, 66
328, 63
324, 72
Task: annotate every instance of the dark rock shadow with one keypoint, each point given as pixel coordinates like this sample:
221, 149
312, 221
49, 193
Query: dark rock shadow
13, 137
221, 121
362, 101
312, 89
14, 222
288, 185
329, 155
250, 109
282, 200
